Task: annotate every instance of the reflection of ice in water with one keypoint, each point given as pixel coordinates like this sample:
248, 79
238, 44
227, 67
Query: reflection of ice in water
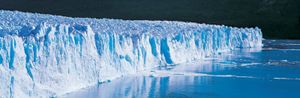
188, 87
141, 87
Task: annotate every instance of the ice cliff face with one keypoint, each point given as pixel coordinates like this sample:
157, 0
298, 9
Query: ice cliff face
46, 55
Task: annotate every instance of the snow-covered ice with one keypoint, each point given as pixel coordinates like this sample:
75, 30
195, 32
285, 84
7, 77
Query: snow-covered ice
46, 55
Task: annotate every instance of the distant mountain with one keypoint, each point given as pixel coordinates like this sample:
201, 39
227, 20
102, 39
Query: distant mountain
277, 18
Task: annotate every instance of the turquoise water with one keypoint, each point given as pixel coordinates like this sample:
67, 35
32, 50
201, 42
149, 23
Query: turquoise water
273, 72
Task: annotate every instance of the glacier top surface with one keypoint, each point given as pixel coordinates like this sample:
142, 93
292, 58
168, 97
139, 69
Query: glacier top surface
12, 21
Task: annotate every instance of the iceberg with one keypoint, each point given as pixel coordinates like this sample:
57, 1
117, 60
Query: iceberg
47, 55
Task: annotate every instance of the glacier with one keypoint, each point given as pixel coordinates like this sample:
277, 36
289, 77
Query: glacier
47, 55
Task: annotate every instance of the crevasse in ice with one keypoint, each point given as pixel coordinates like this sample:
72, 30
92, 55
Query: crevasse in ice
46, 55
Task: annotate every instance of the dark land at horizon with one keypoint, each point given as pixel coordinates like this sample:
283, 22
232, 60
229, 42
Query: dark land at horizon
278, 19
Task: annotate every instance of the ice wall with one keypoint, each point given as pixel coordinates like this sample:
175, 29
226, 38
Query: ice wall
46, 55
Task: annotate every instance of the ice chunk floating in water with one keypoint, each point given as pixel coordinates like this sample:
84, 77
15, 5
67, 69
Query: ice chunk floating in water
46, 55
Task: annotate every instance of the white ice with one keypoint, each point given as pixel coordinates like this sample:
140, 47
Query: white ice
46, 55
